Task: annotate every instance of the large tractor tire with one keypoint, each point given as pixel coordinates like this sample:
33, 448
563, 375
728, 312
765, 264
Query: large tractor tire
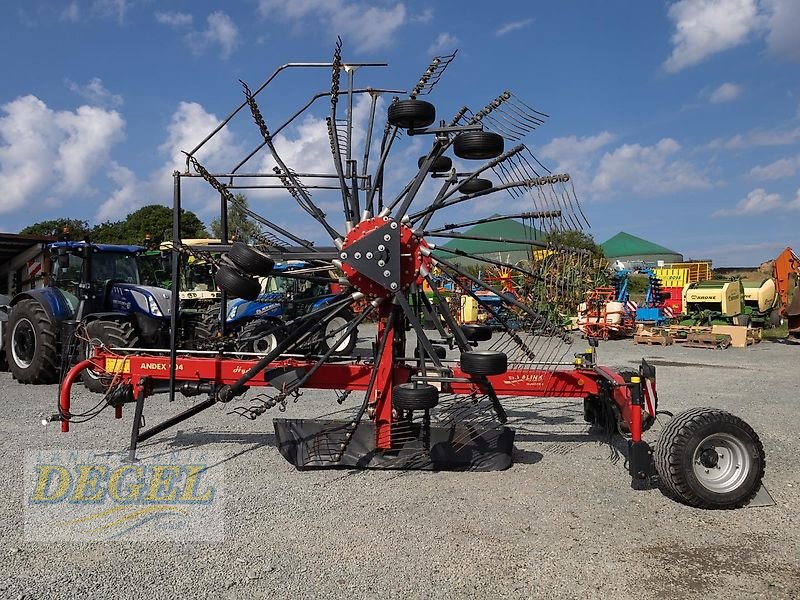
260, 336
709, 458
111, 334
334, 328
31, 344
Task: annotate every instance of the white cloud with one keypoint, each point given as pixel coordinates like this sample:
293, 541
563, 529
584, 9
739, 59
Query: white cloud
367, 27
112, 9
95, 93
72, 13
783, 17
189, 124
706, 27
174, 19
426, 16
647, 170
513, 26
758, 137
54, 154
785, 167
725, 93
575, 155
221, 31
444, 42
758, 202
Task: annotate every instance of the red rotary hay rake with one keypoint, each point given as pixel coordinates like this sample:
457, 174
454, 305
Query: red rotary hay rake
418, 409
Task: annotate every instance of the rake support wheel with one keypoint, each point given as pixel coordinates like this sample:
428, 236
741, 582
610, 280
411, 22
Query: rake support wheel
236, 283
410, 396
484, 363
473, 186
250, 260
411, 114
477, 333
709, 458
440, 164
478, 145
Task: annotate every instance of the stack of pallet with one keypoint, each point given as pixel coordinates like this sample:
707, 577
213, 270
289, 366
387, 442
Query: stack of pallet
695, 336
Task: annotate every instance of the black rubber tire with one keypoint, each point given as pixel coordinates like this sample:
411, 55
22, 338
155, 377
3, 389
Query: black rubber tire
743, 320
473, 186
113, 334
410, 396
196, 330
775, 319
440, 352
477, 333
250, 260
478, 145
411, 114
484, 363
237, 284
260, 336
29, 324
675, 451
440, 164
335, 324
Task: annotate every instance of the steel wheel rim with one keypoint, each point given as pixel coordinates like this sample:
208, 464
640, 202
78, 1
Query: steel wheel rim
265, 344
734, 463
23, 350
334, 328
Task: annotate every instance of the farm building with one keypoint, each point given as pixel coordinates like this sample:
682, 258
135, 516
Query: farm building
631, 251
460, 250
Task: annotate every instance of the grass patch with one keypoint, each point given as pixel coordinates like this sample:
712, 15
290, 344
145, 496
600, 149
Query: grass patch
776, 333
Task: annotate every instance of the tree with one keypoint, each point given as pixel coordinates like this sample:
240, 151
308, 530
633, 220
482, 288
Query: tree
239, 224
572, 238
155, 220
77, 229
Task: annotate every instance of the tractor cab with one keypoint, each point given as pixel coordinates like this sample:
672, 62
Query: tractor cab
82, 269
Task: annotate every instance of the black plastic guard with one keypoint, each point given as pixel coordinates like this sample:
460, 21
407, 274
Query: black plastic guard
309, 443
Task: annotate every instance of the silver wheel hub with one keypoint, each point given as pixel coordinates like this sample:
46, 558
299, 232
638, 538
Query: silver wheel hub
721, 463
333, 330
23, 333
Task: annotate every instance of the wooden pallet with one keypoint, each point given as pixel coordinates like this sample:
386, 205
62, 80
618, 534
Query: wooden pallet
707, 340
653, 339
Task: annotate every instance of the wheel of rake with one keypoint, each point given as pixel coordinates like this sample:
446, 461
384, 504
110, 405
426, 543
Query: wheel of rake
484, 363
478, 145
236, 283
440, 164
473, 186
411, 114
410, 396
477, 333
250, 260
709, 458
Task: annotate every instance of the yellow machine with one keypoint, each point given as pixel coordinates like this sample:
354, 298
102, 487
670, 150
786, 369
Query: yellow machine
713, 300
760, 294
197, 279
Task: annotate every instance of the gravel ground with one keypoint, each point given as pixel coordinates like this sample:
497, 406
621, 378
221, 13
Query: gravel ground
561, 523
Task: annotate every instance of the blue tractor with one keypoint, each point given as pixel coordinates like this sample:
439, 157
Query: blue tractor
258, 325
94, 290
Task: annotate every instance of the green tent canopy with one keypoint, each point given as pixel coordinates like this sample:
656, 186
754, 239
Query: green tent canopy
502, 229
625, 244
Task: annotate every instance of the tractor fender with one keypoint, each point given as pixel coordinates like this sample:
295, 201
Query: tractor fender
322, 302
52, 300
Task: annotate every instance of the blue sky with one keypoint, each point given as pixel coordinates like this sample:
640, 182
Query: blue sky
678, 121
